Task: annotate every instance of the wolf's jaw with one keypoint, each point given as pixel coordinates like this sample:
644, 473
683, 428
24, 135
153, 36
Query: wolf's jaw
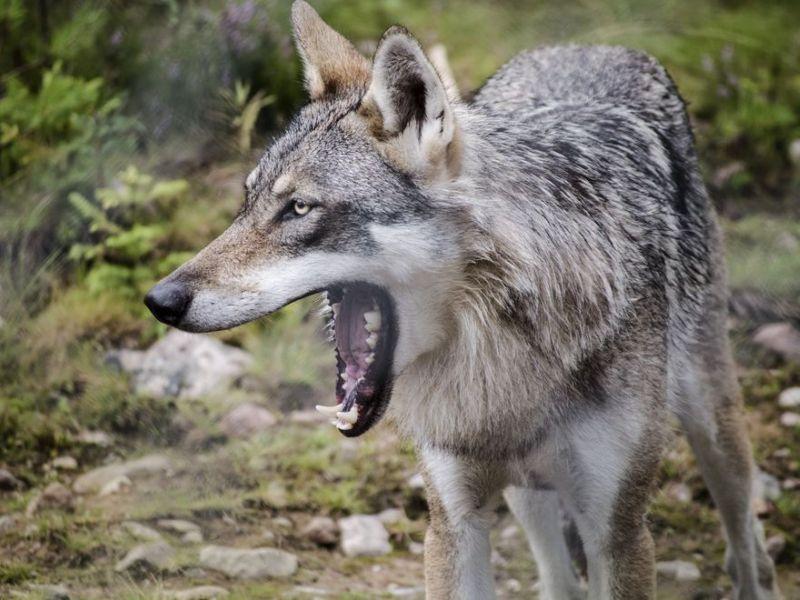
362, 330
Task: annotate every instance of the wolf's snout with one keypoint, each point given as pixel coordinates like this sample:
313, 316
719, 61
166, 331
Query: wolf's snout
168, 301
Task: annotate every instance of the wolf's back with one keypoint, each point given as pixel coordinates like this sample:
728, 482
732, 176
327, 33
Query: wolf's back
607, 129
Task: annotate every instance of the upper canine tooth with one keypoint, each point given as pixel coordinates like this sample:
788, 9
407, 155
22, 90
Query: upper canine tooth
370, 358
372, 340
351, 416
330, 410
335, 307
373, 320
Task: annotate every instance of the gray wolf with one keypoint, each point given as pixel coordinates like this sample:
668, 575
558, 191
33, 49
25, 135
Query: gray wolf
527, 285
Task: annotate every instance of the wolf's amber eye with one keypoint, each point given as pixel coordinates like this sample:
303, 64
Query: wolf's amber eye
300, 207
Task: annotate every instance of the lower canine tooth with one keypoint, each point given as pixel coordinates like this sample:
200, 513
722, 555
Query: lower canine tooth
372, 340
330, 410
351, 416
370, 359
343, 425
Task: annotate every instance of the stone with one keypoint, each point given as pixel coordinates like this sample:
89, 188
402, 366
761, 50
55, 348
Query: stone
364, 535
94, 480
95, 438
794, 152
283, 523
416, 482
411, 593
781, 338
119, 485
679, 492
766, 486
50, 591
152, 557
186, 365
54, 496
390, 516
789, 398
203, 592
790, 419
8, 482
416, 548
322, 531
775, 545
258, 563
7, 523
142, 532
192, 537
679, 570
64, 463
178, 525
246, 420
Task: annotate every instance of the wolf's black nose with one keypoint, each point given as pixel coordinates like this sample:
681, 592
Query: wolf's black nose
168, 302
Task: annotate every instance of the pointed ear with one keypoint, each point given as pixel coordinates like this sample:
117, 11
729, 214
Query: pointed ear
331, 63
408, 109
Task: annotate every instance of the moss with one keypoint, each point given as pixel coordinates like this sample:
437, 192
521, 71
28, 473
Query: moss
15, 573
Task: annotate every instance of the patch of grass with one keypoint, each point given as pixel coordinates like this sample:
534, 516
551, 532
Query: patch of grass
15, 573
764, 254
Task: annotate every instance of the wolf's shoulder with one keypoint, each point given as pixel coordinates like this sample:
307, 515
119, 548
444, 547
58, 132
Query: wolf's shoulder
574, 74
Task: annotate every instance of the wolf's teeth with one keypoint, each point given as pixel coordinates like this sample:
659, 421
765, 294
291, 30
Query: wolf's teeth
372, 340
343, 425
370, 358
330, 410
373, 320
343, 376
335, 307
351, 416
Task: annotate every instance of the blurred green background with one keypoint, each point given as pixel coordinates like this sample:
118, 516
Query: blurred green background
127, 128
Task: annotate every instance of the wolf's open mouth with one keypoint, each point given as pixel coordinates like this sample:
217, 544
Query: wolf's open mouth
364, 327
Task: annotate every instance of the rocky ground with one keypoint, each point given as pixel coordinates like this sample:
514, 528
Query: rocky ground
257, 496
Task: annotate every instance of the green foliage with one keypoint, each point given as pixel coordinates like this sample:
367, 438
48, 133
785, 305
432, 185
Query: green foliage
243, 110
127, 226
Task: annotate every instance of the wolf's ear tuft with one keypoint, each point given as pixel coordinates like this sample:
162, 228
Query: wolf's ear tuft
408, 108
331, 63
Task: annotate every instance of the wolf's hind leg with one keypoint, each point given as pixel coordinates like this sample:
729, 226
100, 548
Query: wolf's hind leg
710, 413
539, 514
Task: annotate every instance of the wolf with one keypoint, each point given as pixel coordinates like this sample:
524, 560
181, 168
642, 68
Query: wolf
529, 286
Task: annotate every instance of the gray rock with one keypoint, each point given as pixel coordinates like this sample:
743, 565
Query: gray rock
390, 516
679, 492
766, 486
322, 531
192, 537
794, 152
246, 420
416, 548
54, 496
790, 419
49, 591
781, 338
64, 463
412, 593
203, 592
187, 365
7, 523
775, 545
416, 482
153, 557
789, 398
679, 570
258, 563
129, 361
94, 480
142, 532
364, 535
119, 485
178, 525
95, 438
8, 482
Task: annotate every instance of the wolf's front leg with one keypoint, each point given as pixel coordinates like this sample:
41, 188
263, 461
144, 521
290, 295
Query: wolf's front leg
461, 495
